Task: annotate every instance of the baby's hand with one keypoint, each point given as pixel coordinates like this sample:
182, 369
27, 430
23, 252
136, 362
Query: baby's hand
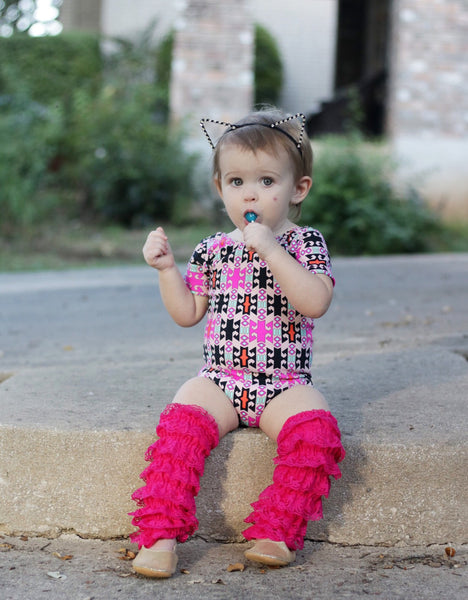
157, 250
260, 238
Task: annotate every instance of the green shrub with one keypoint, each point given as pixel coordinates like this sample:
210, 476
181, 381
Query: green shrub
119, 151
163, 69
268, 68
49, 67
356, 207
100, 141
29, 134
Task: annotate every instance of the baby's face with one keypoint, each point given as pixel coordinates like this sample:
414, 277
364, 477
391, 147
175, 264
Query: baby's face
256, 182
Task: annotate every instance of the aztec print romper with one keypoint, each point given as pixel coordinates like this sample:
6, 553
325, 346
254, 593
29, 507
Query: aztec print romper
256, 344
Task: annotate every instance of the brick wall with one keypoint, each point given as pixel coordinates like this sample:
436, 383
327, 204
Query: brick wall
213, 57
430, 67
428, 99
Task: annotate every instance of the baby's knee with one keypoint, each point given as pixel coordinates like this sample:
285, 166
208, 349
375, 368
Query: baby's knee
203, 392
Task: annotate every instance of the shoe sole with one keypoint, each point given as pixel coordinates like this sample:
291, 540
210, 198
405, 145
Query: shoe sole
266, 559
147, 572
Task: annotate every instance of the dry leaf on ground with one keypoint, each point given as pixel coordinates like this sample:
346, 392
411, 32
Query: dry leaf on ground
235, 567
127, 554
65, 557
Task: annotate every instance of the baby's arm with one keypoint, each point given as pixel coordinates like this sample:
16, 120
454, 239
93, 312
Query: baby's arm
185, 308
309, 293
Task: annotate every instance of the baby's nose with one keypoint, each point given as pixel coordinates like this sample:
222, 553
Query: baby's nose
250, 194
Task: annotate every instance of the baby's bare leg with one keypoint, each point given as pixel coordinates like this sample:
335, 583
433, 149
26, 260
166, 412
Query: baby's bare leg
203, 392
293, 401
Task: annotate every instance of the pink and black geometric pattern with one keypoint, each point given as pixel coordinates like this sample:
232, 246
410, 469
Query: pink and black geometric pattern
256, 343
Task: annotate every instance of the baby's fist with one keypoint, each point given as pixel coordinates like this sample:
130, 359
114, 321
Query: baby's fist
157, 251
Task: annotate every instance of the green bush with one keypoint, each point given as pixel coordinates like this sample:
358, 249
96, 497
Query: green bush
118, 150
268, 68
356, 207
163, 69
29, 134
103, 144
49, 67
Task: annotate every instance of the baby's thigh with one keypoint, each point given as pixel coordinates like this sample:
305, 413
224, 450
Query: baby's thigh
292, 401
203, 392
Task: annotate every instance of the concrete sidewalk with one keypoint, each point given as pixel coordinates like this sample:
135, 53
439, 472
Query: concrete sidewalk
75, 569
90, 358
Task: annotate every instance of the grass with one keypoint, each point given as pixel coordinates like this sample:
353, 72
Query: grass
75, 245
454, 237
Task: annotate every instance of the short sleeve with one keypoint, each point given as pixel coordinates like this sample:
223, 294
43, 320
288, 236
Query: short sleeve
310, 249
197, 273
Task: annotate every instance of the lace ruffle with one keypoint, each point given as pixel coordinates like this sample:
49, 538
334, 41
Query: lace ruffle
309, 448
166, 502
318, 427
273, 525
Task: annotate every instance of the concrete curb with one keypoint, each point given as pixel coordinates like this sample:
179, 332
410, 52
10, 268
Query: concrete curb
73, 483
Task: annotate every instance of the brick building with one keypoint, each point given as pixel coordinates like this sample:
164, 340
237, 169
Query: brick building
408, 58
308, 51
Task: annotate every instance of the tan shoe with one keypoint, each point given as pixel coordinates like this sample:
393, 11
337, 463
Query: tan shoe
272, 553
155, 563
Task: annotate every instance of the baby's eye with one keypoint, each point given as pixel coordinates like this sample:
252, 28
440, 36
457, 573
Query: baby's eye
236, 181
267, 181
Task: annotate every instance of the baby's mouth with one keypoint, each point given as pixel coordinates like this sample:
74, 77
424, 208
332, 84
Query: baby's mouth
250, 216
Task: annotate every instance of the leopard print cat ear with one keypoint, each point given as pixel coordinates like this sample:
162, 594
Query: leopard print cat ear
276, 125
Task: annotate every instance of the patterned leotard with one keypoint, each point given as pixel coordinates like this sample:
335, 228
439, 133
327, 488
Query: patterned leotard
256, 344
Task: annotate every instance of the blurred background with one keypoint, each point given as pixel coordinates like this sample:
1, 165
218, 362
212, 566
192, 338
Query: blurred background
100, 102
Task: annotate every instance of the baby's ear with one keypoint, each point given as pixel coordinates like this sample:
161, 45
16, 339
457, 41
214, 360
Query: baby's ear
302, 189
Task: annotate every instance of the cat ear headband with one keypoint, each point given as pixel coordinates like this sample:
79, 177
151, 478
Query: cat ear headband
231, 127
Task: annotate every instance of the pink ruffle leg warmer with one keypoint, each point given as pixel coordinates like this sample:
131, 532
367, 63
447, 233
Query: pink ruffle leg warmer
187, 434
309, 448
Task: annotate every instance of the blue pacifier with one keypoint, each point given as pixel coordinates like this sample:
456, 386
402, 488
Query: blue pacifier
251, 216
